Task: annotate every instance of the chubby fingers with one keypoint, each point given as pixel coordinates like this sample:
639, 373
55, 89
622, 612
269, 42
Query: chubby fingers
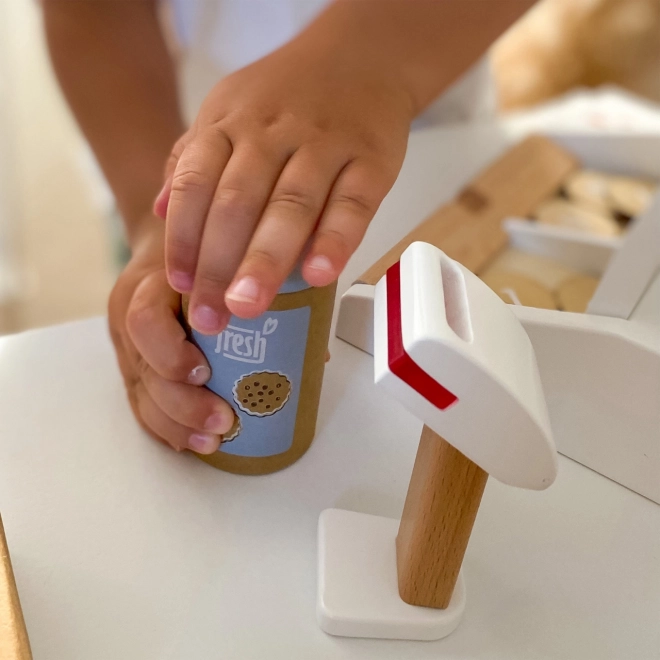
158, 337
352, 204
237, 205
162, 201
169, 371
287, 222
194, 416
191, 191
192, 406
240, 216
164, 428
346, 196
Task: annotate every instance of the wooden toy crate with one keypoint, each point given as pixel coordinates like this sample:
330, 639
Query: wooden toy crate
600, 369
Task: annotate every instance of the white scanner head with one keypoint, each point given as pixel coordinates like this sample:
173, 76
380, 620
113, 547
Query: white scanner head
454, 354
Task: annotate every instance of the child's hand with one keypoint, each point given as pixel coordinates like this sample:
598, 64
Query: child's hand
304, 143
163, 372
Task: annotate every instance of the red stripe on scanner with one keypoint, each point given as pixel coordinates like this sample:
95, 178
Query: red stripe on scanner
400, 363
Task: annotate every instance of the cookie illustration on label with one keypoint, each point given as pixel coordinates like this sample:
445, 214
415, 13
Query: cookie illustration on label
234, 431
262, 393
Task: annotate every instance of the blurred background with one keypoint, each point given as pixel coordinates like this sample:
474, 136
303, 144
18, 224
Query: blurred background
60, 239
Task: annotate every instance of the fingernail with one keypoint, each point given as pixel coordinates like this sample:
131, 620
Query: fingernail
202, 443
181, 282
320, 262
199, 375
162, 201
218, 423
245, 290
205, 319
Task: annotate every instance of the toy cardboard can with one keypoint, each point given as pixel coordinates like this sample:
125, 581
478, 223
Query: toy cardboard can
270, 370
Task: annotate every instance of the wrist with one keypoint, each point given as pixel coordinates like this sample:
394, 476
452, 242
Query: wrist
418, 48
345, 37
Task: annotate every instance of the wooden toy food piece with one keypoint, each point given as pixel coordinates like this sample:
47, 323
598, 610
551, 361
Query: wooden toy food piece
630, 196
517, 289
604, 193
566, 214
549, 273
575, 294
14, 643
590, 188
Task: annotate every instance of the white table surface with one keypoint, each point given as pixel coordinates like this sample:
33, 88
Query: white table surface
124, 550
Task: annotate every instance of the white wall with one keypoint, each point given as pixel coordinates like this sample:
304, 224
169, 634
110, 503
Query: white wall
8, 198
55, 228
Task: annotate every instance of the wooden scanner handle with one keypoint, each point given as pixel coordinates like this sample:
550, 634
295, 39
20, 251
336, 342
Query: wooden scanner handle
441, 506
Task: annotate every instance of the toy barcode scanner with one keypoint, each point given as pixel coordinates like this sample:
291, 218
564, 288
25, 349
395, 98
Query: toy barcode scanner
455, 356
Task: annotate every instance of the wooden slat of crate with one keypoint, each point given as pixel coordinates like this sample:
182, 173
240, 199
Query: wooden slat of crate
469, 228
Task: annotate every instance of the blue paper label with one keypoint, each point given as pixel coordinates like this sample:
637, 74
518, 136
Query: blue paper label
256, 366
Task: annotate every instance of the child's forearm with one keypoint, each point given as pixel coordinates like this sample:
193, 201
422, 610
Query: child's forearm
425, 44
115, 71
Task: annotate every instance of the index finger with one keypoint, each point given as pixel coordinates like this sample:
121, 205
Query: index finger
191, 191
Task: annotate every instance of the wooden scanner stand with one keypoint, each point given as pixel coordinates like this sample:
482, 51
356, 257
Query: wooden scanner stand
456, 357
443, 499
